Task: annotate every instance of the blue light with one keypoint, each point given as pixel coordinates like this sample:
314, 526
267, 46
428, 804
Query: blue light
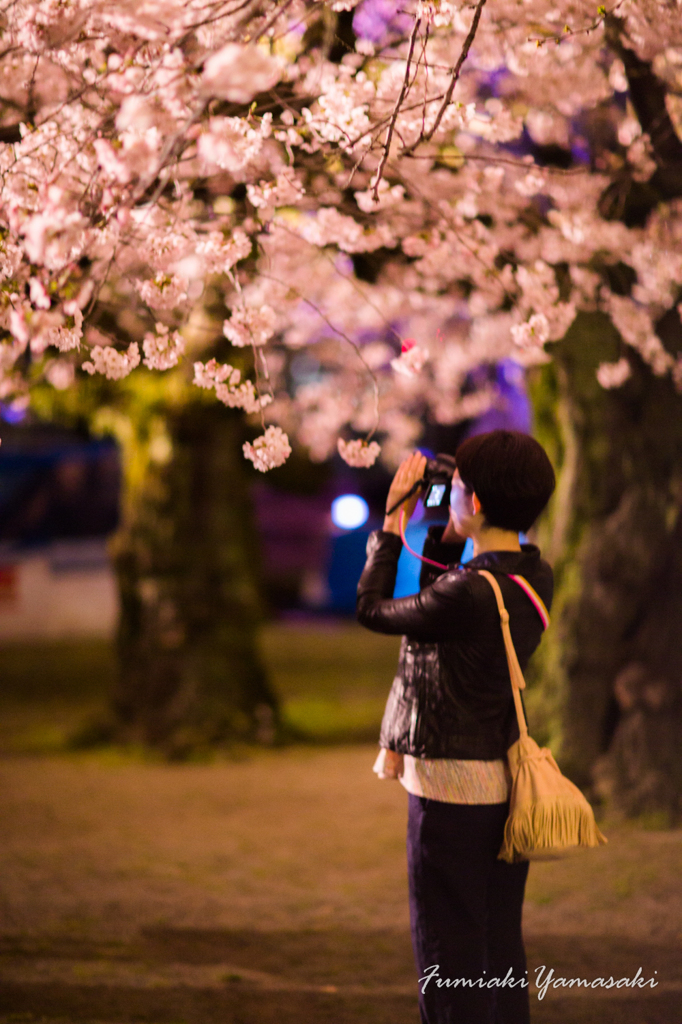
349, 511
13, 412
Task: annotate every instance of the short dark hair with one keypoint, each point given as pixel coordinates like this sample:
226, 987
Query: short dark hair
510, 474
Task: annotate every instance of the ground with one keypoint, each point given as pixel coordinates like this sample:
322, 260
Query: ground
269, 886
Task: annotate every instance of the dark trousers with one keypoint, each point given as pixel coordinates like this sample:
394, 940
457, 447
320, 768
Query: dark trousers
465, 913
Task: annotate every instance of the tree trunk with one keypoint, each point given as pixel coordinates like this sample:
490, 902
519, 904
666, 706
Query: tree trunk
186, 559
609, 683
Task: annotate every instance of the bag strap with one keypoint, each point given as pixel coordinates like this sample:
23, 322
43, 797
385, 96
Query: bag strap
535, 598
515, 673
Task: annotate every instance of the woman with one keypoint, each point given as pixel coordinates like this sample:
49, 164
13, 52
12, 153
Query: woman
450, 719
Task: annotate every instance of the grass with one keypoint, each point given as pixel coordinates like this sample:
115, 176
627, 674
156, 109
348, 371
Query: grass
332, 679
272, 890
48, 689
135, 890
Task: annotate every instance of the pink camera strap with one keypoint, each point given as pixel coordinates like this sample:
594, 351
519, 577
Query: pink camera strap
534, 596
520, 580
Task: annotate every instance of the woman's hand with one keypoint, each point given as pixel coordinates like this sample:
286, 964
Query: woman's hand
409, 471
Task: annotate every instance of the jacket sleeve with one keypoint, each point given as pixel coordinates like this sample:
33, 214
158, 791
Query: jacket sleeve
437, 551
440, 612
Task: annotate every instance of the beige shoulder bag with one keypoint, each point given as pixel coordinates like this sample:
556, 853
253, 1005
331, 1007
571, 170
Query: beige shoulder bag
548, 816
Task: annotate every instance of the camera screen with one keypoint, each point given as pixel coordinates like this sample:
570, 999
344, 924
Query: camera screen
435, 495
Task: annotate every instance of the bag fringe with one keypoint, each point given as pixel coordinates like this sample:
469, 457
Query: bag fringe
549, 827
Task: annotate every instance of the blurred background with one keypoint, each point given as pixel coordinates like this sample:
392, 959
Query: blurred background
60, 596
188, 720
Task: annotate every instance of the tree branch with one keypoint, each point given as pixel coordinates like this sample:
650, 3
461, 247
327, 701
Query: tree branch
396, 111
454, 78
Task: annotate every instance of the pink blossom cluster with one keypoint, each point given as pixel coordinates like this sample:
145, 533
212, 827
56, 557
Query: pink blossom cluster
231, 143
163, 157
250, 325
162, 350
165, 292
268, 451
229, 388
358, 453
612, 375
112, 363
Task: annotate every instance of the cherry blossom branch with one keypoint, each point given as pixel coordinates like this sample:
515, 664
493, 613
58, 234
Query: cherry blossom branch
346, 338
520, 165
258, 386
396, 110
568, 33
426, 76
358, 163
489, 268
454, 78
375, 129
115, 125
167, 152
346, 277
214, 18
276, 16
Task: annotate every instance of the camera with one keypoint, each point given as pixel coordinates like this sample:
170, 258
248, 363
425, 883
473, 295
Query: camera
436, 482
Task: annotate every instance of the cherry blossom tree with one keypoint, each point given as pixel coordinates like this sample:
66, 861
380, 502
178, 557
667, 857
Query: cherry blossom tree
402, 193
186, 556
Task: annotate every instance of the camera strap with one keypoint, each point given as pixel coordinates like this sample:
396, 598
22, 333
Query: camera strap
521, 581
540, 606
429, 561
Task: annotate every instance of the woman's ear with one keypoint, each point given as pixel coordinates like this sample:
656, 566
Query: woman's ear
476, 503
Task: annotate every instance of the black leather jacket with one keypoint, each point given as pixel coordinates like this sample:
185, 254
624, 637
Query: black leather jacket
452, 696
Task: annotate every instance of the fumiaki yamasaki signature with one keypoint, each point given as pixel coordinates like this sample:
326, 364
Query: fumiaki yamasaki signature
543, 981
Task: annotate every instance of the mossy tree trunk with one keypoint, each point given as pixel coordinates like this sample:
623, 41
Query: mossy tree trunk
611, 673
609, 680
186, 560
